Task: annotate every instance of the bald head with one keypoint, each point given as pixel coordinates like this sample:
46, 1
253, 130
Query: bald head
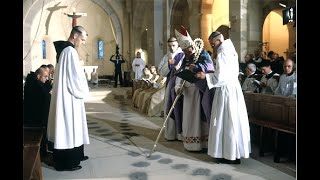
42, 74
215, 39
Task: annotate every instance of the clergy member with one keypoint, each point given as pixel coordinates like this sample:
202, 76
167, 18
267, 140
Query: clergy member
194, 123
288, 80
67, 123
168, 66
229, 134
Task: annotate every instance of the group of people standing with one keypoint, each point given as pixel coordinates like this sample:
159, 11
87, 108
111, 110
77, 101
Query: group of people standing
211, 112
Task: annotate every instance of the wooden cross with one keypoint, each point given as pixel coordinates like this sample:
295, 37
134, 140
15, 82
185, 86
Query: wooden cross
75, 16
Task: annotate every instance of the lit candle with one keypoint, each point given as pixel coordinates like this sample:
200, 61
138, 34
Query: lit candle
74, 9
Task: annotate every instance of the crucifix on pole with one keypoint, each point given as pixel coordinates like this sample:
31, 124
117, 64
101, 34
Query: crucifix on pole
75, 16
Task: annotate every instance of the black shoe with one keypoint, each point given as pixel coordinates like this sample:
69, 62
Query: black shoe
227, 161
68, 169
84, 158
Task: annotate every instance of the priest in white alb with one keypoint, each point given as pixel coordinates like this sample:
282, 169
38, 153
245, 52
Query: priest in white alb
229, 134
67, 123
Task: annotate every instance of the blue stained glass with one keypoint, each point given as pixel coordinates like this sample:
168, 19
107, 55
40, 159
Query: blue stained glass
100, 49
44, 51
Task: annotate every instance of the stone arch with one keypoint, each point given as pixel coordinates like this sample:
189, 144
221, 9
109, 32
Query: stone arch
274, 34
140, 34
180, 14
30, 10
274, 6
108, 7
137, 27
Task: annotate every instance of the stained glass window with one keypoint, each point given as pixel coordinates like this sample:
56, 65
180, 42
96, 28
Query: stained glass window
44, 51
100, 49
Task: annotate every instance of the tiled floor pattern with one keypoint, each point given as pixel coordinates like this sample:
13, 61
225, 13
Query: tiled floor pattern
121, 140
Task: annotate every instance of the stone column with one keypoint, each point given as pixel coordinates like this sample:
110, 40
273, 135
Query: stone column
206, 24
195, 19
255, 24
158, 43
238, 23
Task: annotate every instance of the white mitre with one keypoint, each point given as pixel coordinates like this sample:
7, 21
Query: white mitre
183, 38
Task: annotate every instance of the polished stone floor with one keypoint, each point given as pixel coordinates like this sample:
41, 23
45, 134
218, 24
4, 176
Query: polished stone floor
121, 138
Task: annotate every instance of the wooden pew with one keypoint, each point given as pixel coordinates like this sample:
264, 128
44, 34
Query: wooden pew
31, 153
273, 112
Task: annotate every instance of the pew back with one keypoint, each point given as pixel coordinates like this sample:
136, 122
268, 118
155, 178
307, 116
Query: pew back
272, 110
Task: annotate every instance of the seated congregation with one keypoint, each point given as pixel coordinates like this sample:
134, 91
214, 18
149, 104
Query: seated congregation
148, 92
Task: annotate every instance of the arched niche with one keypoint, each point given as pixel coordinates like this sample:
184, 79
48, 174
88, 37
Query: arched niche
275, 35
180, 16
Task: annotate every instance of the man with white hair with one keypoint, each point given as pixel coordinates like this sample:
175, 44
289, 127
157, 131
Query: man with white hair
229, 134
288, 80
249, 84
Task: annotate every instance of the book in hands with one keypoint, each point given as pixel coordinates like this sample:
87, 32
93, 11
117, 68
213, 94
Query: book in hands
187, 75
256, 82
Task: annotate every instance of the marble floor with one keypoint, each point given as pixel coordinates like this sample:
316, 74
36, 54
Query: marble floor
121, 138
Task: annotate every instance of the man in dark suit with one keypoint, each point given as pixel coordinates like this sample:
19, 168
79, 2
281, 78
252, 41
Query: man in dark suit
117, 67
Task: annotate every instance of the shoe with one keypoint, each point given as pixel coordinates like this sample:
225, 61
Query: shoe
227, 161
48, 160
68, 169
84, 158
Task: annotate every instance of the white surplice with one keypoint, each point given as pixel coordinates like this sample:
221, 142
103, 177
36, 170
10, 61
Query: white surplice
137, 66
67, 122
229, 134
287, 85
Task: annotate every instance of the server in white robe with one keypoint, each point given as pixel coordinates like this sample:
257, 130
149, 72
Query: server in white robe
288, 80
229, 134
67, 123
137, 66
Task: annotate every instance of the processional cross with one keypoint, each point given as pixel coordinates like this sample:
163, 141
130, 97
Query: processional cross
75, 16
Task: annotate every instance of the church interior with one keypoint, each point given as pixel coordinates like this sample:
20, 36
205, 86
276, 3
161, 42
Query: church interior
122, 128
